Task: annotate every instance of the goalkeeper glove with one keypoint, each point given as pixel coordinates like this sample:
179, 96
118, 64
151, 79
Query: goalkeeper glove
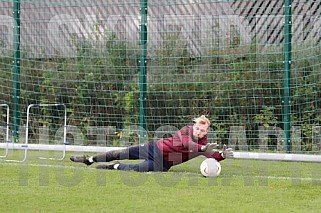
227, 152
209, 147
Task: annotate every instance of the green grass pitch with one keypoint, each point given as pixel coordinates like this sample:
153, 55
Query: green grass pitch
243, 186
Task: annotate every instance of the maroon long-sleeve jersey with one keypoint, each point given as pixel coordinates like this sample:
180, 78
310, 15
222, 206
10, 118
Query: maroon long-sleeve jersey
183, 147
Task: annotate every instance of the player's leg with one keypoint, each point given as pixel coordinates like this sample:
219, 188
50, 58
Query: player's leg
110, 155
145, 166
105, 157
149, 152
131, 153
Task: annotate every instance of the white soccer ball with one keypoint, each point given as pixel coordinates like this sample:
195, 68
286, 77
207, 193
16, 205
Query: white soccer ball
210, 168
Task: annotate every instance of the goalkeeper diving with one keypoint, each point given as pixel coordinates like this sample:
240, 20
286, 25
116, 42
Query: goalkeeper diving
187, 143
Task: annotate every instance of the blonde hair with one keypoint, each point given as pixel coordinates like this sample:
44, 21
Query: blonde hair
203, 120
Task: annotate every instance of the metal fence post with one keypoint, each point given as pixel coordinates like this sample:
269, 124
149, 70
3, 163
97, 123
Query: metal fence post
287, 72
16, 70
143, 68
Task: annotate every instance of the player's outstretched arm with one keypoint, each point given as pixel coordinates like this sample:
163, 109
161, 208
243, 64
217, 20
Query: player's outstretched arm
210, 147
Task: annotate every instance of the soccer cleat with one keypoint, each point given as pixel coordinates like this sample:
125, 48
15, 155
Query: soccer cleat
81, 159
109, 166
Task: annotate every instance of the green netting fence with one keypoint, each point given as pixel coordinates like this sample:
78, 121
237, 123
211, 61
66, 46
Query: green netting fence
253, 67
